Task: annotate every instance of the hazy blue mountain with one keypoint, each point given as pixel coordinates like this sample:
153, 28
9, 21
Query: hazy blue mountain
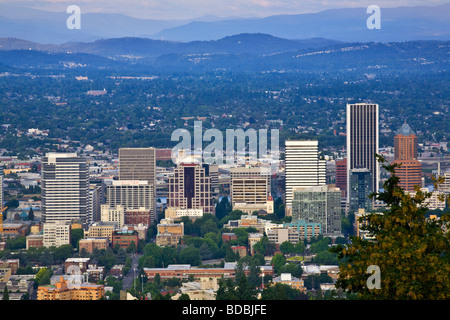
50, 27
397, 24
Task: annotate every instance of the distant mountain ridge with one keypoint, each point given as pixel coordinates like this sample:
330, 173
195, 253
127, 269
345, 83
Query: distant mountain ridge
254, 44
347, 25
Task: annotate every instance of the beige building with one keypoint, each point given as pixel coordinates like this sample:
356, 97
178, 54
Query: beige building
56, 234
178, 213
169, 233
288, 279
204, 289
101, 230
280, 235
113, 214
433, 202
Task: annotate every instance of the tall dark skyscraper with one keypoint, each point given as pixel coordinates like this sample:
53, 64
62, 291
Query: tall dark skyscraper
65, 187
363, 140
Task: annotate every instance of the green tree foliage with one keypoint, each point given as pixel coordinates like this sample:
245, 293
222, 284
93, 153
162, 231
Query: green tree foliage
43, 276
190, 255
411, 251
278, 261
287, 247
75, 236
280, 291
293, 268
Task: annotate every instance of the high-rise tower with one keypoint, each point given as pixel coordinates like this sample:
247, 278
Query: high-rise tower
362, 141
405, 153
65, 187
303, 168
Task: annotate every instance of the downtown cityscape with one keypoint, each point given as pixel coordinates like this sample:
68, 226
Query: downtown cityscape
167, 163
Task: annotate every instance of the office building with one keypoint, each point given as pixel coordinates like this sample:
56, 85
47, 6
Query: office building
405, 153
139, 164
190, 188
250, 190
303, 168
131, 194
363, 141
65, 188
360, 187
320, 204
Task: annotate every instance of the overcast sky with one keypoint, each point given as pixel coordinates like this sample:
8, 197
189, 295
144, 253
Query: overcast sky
188, 9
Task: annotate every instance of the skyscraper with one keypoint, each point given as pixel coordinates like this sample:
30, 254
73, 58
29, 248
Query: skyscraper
65, 187
139, 164
405, 153
303, 168
190, 188
362, 140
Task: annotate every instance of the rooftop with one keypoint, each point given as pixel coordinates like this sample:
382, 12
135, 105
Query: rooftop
405, 130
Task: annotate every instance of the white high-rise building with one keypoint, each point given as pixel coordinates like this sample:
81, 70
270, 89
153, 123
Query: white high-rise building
303, 167
362, 141
65, 188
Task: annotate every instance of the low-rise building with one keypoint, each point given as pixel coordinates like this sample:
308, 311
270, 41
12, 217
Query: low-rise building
169, 233
283, 234
293, 282
35, 241
124, 238
63, 290
81, 263
89, 244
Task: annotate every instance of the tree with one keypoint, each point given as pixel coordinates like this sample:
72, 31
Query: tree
75, 236
5, 293
281, 291
131, 247
31, 214
287, 247
278, 261
293, 268
410, 250
43, 276
190, 255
